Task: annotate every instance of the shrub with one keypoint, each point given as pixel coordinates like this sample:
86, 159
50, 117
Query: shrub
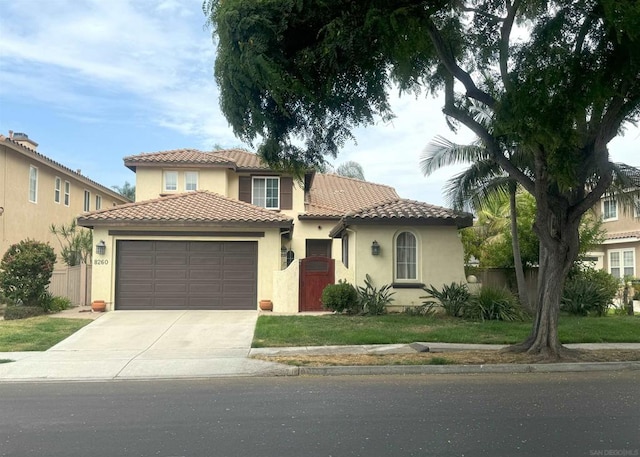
25, 271
452, 298
341, 297
589, 292
13, 312
493, 303
426, 309
59, 304
374, 301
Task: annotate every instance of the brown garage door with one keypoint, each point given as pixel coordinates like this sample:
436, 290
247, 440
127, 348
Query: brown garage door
186, 275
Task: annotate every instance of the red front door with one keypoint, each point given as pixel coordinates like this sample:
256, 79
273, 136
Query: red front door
315, 274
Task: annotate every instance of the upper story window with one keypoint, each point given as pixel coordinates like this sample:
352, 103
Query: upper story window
636, 210
406, 256
33, 184
170, 180
67, 193
266, 192
609, 209
190, 180
622, 262
98, 202
87, 200
57, 189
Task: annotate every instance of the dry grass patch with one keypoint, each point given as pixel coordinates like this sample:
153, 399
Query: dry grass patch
452, 358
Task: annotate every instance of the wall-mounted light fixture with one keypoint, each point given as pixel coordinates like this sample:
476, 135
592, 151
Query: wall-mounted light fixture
375, 248
101, 248
1, 210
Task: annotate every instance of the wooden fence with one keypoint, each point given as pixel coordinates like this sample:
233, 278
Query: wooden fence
73, 283
506, 277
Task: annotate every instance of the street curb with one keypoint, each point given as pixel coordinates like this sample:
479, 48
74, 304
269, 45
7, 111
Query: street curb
468, 369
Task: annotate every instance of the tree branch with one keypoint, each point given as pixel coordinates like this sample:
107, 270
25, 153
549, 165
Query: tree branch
505, 34
487, 138
449, 61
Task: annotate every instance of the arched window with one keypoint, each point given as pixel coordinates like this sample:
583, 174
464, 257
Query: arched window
406, 256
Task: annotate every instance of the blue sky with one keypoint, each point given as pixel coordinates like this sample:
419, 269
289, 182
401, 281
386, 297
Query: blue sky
95, 81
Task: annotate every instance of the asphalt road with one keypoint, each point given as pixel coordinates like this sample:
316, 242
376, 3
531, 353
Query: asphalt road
569, 414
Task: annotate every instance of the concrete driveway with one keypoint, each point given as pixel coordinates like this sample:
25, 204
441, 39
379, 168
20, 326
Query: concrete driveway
149, 344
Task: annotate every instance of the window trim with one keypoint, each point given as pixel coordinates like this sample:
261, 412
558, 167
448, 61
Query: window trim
345, 249
57, 189
67, 193
164, 179
86, 203
33, 184
396, 278
622, 265
187, 173
613, 218
253, 196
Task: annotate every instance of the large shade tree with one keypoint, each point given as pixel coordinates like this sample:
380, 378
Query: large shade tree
560, 76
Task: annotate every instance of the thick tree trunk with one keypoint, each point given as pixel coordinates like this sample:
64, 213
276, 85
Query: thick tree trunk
558, 251
517, 258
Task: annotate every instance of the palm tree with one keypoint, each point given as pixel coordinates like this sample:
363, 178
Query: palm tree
478, 187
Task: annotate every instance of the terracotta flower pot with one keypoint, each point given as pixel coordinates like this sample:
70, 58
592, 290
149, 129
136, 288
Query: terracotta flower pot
266, 305
98, 306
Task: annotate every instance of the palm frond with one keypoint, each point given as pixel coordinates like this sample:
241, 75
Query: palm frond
440, 152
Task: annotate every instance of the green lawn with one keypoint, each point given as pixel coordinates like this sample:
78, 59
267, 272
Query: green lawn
36, 333
273, 331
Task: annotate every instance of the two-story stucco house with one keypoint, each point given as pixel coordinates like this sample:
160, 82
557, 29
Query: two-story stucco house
220, 230
36, 192
620, 252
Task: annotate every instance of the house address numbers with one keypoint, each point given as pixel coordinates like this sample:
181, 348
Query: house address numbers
101, 262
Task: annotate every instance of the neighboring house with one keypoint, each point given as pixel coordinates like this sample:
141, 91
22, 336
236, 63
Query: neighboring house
36, 192
619, 254
220, 230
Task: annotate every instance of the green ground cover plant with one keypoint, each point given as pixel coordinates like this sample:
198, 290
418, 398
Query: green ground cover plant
279, 331
37, 333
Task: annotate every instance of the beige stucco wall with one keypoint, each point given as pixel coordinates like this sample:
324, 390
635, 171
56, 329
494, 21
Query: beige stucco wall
625, 222
441, 259
23, 219
315, 229
150, 181
104, 267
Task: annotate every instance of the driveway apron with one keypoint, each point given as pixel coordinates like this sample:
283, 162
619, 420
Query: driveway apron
149, 344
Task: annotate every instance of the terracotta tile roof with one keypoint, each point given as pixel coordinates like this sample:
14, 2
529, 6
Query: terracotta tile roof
244, 160
15, 146
232, 158
334, 195
192, 208
177, 157
621, 235
403, 211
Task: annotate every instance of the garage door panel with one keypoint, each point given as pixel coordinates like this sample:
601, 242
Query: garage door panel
186, 275
169, 274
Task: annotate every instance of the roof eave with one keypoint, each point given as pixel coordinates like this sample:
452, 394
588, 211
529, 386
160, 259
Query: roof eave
89, 223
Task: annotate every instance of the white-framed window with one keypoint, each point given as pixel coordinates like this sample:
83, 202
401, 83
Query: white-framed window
98, 201
170, 181
87, 201
33, 184
67, 193
622, 262
57, 190
190, 180
406, 256
609, 209
266, 192
636, 210
345, 250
